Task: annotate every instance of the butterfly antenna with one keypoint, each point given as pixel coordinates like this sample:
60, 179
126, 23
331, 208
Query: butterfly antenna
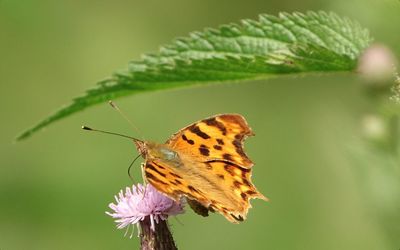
110, 133
114, 106
130, 166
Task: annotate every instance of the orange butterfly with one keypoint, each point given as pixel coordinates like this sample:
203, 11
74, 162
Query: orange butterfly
204, 162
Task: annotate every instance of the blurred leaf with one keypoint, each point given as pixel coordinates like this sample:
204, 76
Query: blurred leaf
271, 46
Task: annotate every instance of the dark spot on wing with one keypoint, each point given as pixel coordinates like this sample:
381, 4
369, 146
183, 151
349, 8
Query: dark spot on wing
175, 175
221, 176
204, 150
244, 172
238, 146
251, 192
213, 122
191, 142
151, 177
239, 218
220, 141
244, 196
237, 143
191, 188
196, 130
227, 157
159, 166
177, 182
246, 182
229, 169
237, 184
217, 147
150, 166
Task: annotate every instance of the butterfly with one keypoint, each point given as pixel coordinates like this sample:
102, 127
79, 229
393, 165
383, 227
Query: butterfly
204, 162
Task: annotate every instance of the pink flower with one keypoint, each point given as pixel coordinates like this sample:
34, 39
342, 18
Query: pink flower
141, 201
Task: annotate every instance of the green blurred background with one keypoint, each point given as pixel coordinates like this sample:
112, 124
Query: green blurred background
310, 156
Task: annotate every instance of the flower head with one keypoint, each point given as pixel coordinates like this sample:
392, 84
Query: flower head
140, 201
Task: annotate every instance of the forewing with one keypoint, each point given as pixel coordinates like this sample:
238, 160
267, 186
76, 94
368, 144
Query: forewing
216, 138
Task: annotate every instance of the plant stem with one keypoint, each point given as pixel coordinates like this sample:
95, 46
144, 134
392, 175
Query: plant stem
159, 239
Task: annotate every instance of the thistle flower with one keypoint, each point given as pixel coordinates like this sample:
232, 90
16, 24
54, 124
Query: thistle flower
140, 201
144, 206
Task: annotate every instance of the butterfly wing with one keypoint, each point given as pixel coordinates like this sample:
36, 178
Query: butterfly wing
216, 138
213, 170
173, 182
217, 186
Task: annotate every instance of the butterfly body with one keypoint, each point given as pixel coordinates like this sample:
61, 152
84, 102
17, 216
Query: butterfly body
152, 151
205, 163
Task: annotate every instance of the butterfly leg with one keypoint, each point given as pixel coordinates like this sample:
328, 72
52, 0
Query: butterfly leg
143, 173
144, 179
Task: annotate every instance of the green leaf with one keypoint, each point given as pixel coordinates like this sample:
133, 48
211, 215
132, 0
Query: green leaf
271, 46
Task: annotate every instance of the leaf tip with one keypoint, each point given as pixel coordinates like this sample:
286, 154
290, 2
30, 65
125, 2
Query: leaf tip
22, 136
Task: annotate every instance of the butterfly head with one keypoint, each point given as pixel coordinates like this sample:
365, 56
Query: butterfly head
141, 147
